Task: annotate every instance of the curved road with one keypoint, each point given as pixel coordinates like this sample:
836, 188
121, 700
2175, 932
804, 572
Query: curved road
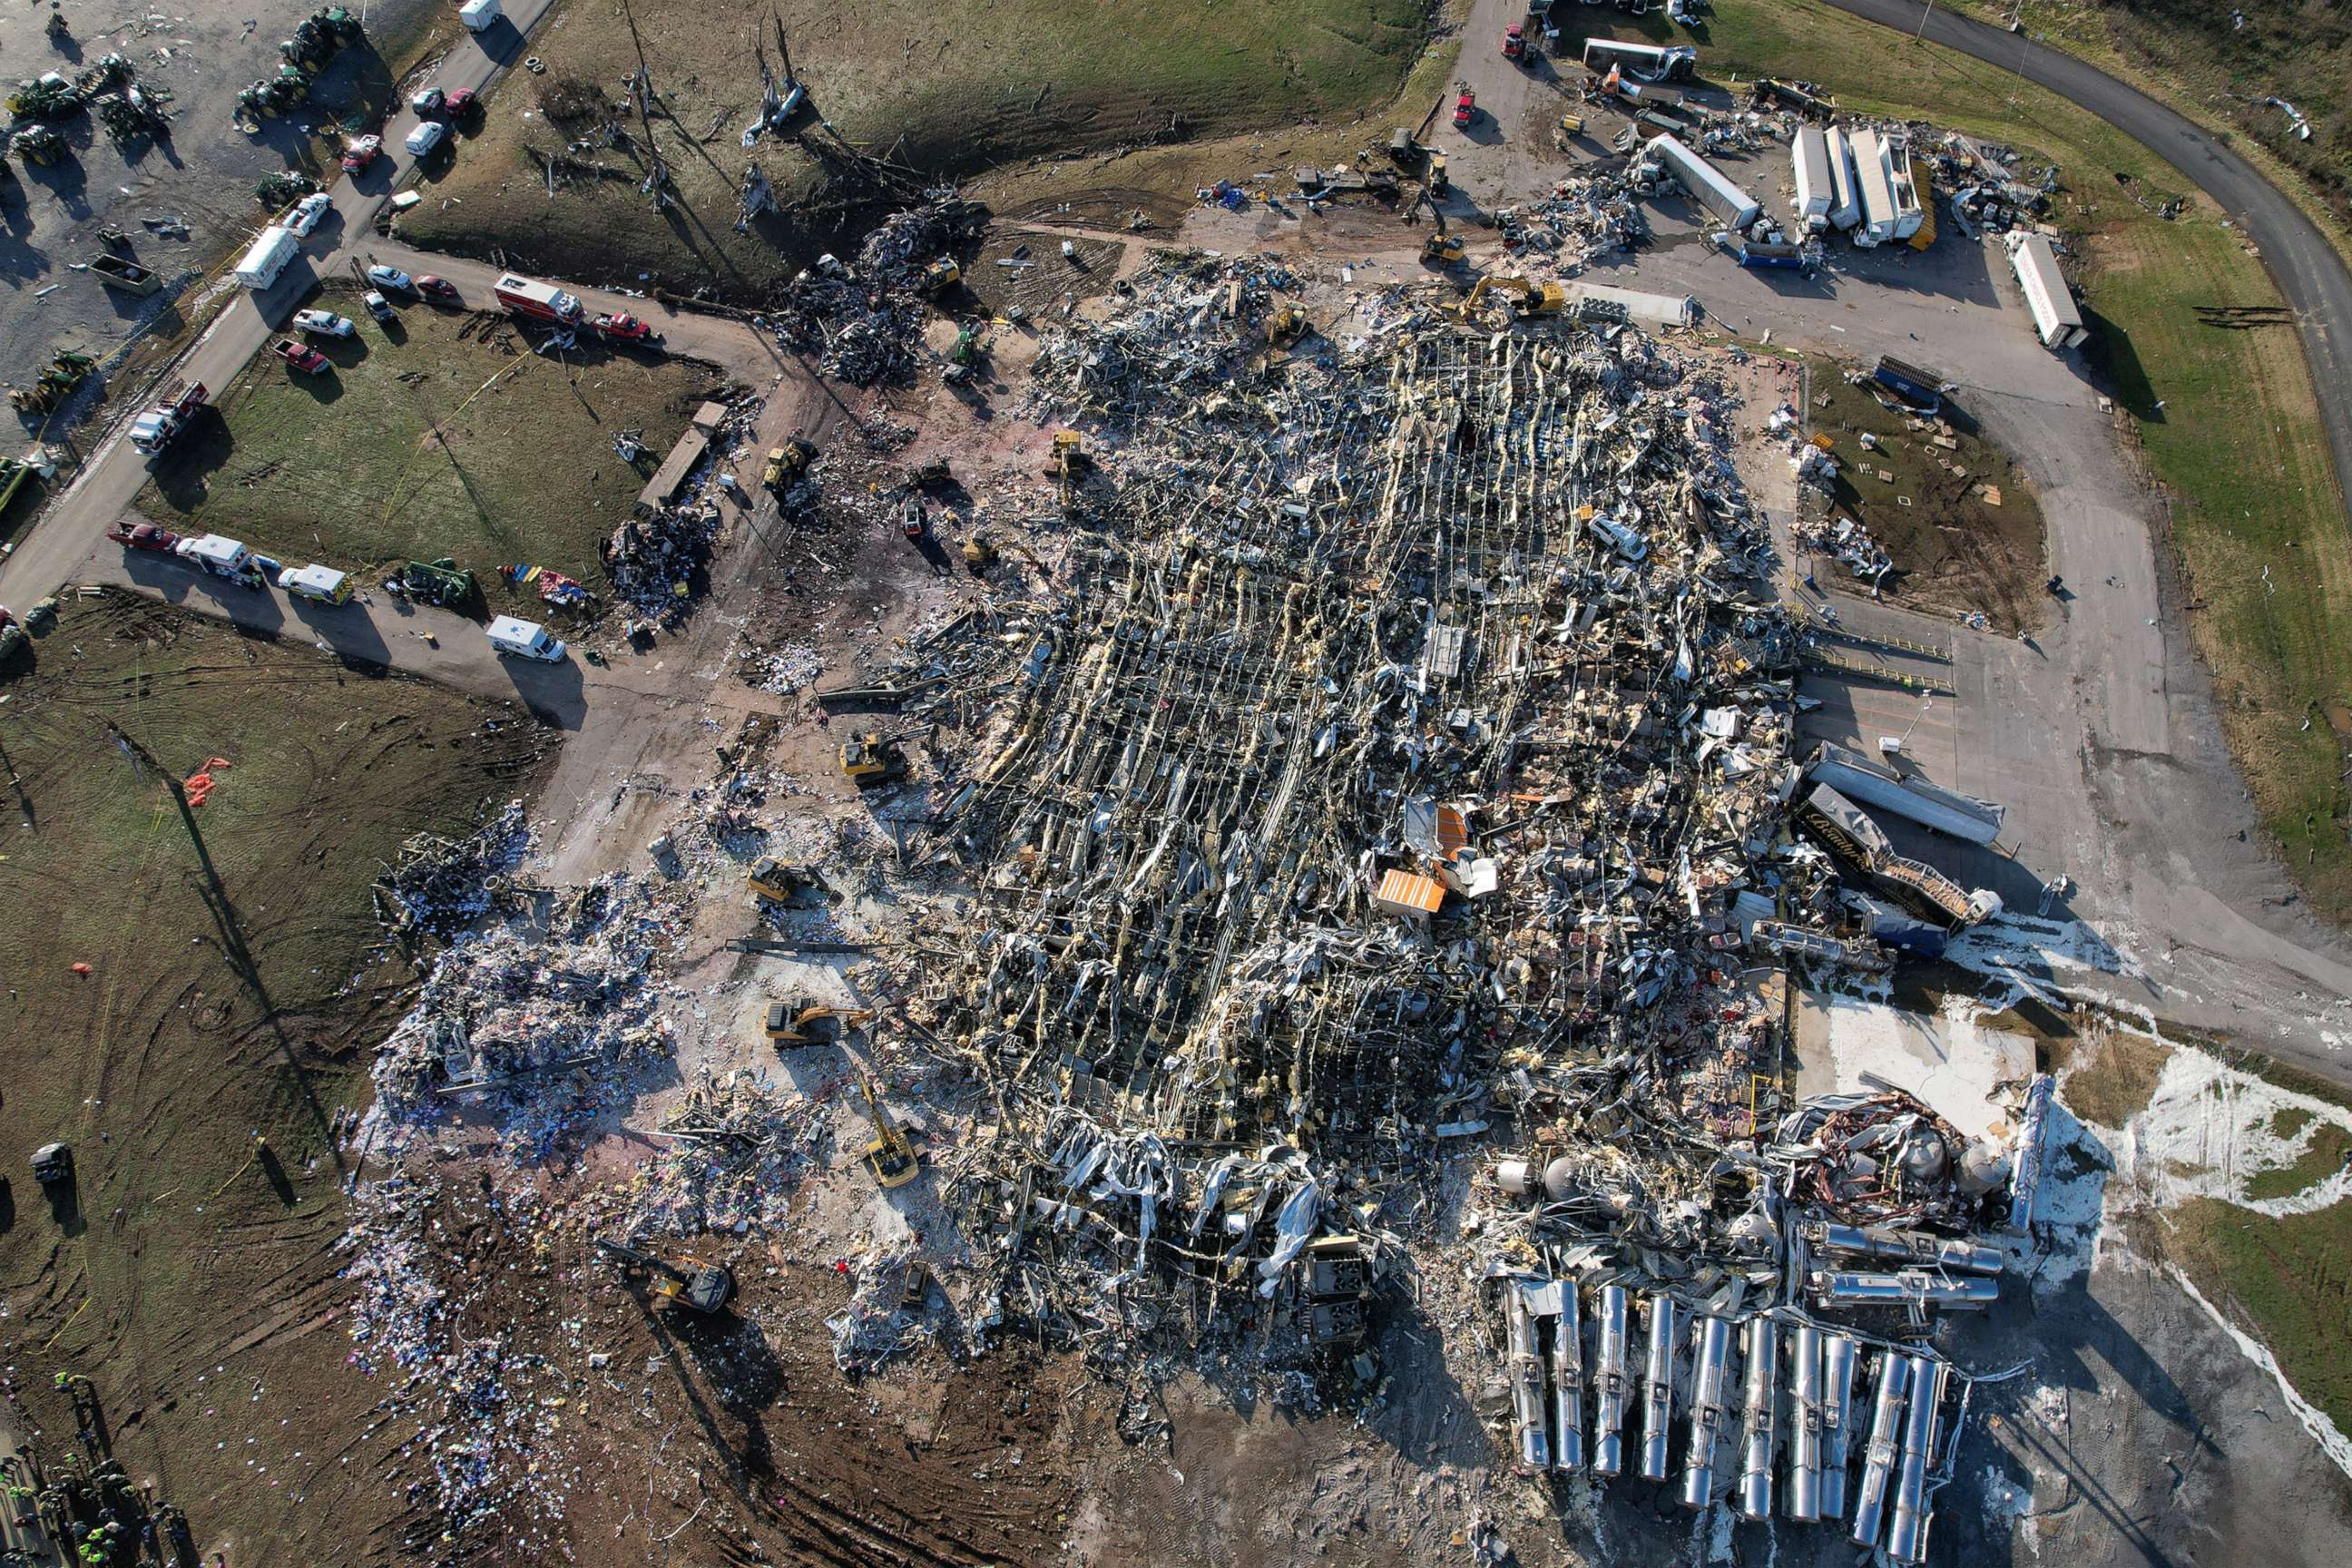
2307, 269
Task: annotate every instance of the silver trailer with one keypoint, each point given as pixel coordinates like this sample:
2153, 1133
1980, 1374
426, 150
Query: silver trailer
1710, 1411
1885, 1441
1609, 1382
1567, 1382
2025, 1163
1708, 185
1658, 1388
1931, 805
1906, 1533
1809, 165
1840, 1358
1805, 1424
1760, 1410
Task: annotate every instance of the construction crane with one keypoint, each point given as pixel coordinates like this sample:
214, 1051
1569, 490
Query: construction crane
801, 1022
702, 1287
891, 1155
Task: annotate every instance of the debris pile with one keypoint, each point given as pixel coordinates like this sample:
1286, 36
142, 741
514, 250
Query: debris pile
441, 886
657, 559
865, 323
737, 1146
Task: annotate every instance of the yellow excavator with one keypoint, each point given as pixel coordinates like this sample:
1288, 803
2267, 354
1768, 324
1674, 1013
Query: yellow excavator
941, 274
1530, 298
702, 1287
872, 758
803, 1023
891, 1155
1287, 324
777, 881
1443, 247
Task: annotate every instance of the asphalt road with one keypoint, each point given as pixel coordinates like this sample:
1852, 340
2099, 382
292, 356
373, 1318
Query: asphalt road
45, 557
2308, 269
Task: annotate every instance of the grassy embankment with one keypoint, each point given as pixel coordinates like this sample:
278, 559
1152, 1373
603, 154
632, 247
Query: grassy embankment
2195, 344
443, 436
193, 1282
953, 92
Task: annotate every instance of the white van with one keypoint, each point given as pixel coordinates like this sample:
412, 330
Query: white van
525, 639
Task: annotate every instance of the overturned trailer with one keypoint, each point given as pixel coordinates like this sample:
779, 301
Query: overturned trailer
2057, 319
1931, 805
1845, 192
1890, 200
1644, 62
1708, 185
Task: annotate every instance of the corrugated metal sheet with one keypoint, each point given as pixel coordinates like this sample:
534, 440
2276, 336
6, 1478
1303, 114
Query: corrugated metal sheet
1406, 892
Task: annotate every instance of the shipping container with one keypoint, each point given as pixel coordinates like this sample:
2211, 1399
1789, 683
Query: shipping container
1845, 198
1706, 183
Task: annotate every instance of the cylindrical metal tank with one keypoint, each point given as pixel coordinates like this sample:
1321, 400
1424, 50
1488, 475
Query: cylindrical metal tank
1906, 1533
1526, 1379
1878, 1459
1840, 1358
1805, 1424
1710, 1381
1760, 1410
1658, 1387
1567, 1382
1609, 1382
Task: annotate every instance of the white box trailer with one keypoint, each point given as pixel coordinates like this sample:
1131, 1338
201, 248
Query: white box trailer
1845, 198
480, 15
1809, 165
1874, 180
266, 259
1932, 806
1909, 212
2057, 319
1713, 188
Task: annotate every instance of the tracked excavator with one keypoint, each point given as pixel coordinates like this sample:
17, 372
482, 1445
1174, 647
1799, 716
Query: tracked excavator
804, 1023
698, 1286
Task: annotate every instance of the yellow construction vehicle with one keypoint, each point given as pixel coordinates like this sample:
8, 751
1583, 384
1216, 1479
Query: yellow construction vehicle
979, 553
1068, 461
1437, 185
776, 881
1443, 246
804, 1023
1287, 324
1529, 298
692, 1283
942, 274
786, 462
891, 1155
1571, 125
873, 759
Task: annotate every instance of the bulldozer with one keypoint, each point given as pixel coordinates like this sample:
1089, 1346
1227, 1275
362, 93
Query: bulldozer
1067, 462
804, 1023
788, 462
775, 881
891, 1154
944, 273
1287, 325
979, 553
873, 759
1529, 299
698, 1286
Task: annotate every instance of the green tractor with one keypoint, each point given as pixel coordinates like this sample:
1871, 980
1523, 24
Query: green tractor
38, 145
442, 582
64, 372
51, 98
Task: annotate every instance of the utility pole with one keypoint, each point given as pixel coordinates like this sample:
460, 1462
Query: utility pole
1923, 21
146, 759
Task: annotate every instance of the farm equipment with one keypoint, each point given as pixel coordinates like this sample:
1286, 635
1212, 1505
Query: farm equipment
806, 1023
891, 1154
788, 462
442, 582
38, 145
65, 372
969, 348
50, 96
776, 881
873, 759
702, 1287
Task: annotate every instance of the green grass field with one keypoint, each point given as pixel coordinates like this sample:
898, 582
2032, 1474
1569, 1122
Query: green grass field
2237, 444
192, 1282
446, 438
953, 92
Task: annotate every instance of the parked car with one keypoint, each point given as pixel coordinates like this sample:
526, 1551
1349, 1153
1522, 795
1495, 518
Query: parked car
427, 105
627, 328
425, 137
304, 216
300, 356
392, 277
377, 305
145, 536
1465, 107
440, 288
359, 151
326, 323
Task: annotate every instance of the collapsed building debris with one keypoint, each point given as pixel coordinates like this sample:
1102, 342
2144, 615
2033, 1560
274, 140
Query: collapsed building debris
865, 323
